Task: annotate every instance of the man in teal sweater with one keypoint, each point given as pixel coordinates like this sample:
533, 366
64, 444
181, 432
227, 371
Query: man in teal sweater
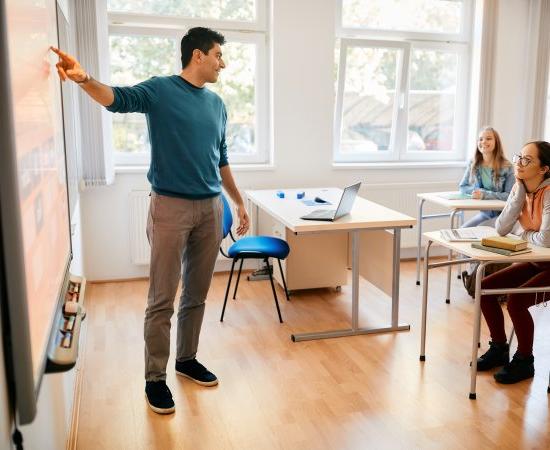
189, 165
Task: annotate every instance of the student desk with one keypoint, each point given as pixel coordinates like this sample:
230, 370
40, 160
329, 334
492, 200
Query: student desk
455, 207
485, 258
365, 216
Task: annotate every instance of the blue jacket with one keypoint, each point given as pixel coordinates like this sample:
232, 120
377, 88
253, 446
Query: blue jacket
505, 181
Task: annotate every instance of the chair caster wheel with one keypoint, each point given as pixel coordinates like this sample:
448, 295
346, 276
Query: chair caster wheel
448, 301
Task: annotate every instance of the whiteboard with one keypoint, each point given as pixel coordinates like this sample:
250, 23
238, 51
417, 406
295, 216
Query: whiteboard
34, 202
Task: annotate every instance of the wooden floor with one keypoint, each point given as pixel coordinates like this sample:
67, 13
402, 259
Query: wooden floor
347, 393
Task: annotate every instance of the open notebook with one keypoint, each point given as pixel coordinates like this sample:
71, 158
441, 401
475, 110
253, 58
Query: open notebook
467, 234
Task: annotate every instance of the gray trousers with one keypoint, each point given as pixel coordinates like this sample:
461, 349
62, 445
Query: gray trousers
181, 232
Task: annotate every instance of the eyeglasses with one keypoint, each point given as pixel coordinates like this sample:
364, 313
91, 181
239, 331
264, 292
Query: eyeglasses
522, 161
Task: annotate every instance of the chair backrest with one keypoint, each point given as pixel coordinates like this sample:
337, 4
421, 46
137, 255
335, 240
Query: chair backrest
227, 217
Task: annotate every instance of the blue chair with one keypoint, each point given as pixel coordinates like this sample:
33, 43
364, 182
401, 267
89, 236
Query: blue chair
252, 247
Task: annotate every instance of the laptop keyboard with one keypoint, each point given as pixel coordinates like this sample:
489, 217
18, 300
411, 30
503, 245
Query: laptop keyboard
321, 213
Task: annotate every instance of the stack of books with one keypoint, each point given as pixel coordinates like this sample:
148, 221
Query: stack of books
504, 245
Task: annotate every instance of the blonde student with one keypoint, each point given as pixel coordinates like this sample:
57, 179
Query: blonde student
489, 175
527, 214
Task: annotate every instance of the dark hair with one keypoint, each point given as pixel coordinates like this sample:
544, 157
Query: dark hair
543, 150
199, 38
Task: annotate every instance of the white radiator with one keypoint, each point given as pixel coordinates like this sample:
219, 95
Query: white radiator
402, 198
139, 245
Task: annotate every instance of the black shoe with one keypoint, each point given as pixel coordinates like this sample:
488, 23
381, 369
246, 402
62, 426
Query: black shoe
497, 355
159, 397
195, 371
520, 368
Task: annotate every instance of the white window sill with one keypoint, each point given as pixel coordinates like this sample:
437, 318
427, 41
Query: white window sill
400, 165
127, 169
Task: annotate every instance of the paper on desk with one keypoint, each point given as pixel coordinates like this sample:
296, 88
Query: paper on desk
454, 196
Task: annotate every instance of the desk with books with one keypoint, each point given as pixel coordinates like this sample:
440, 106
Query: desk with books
485, 258
456, 203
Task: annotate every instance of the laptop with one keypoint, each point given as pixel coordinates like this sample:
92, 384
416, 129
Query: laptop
344, 207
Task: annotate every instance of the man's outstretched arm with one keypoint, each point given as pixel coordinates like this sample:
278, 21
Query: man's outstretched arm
69, 68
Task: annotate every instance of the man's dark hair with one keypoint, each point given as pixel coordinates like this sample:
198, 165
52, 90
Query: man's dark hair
199, 38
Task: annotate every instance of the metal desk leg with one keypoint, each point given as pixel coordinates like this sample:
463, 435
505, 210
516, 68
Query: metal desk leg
395, 277
424, 303
355, 329
450, 269
477, 329
459, 224
354, 280
419, 240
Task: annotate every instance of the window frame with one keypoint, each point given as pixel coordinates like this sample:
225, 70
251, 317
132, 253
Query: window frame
459, 43
466, 26
397, 115
254, 32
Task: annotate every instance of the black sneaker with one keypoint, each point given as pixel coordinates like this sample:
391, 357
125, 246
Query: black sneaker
497, 355
195, 371
520, 368
159, 397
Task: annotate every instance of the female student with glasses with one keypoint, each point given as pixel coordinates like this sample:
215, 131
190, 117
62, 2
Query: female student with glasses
527, 214
488, 176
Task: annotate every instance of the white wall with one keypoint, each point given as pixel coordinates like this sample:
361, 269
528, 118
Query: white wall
511, 73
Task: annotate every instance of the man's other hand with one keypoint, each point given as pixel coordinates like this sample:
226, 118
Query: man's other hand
244, 220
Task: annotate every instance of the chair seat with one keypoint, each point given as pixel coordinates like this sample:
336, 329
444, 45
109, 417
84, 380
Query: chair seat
259, 247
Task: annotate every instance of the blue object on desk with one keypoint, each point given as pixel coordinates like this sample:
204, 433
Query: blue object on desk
300, 195
320, 200
280, 194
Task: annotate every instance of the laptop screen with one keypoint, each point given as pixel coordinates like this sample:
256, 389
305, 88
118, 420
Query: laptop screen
347, 199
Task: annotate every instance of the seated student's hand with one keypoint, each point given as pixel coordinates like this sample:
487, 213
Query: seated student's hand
477, 195
244, 220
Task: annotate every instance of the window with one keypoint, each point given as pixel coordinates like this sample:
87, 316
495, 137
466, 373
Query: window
144, 41
402, 80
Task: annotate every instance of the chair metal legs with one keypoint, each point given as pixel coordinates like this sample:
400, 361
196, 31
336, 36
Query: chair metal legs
227, 289
238, 278
283, 277
237, 285
274, 294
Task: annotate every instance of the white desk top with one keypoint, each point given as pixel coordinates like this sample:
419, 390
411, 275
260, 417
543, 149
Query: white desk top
364, 215
466, 204
465, 248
